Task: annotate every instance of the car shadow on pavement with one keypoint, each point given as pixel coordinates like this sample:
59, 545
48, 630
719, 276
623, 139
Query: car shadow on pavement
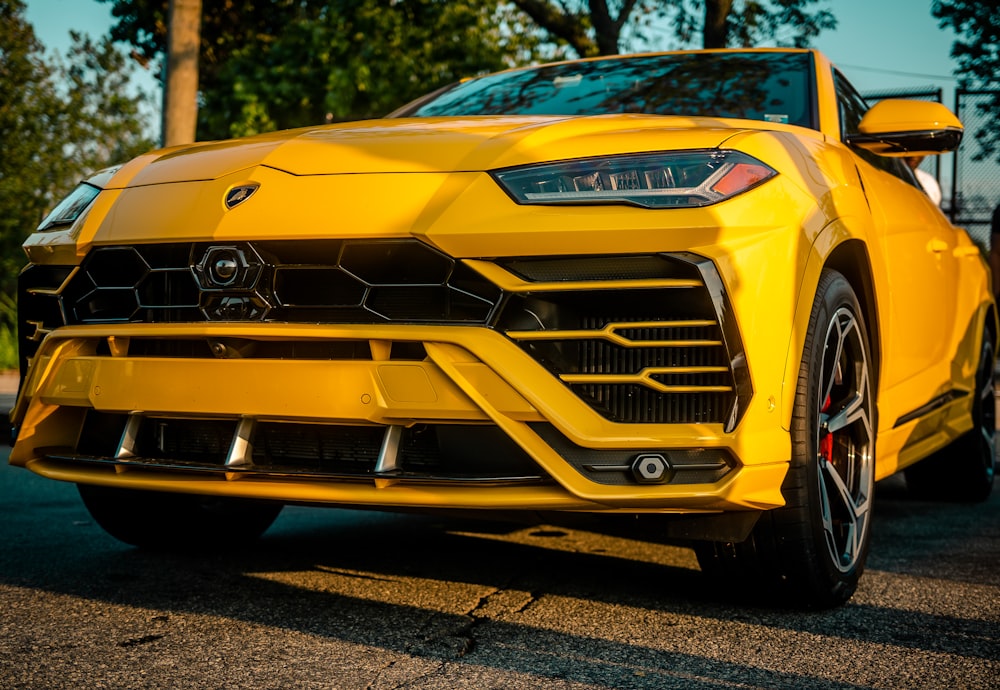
483, 594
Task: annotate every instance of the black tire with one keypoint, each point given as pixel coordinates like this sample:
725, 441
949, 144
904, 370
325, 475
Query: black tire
963, 470
178, 522
811, 552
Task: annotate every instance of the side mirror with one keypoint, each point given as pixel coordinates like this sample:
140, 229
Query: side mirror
897, 127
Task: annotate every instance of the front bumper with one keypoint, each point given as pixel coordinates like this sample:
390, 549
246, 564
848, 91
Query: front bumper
89, 412
508, 384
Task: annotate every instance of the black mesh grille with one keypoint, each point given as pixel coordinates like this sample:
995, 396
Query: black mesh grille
191, 440
39, 308
667, 353
663, 354
474, 452
633, 404
317, 448
317, 281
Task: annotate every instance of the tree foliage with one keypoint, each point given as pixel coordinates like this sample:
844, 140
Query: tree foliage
599, 27
977, 52
288, 63
60, 119
274, 64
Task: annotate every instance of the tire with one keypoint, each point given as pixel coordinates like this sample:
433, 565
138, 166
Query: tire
811, 552
177, 522
963, 470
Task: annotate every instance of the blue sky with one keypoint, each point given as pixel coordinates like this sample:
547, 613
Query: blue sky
879, 44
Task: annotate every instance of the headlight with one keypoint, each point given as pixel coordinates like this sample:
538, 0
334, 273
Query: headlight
70, 208
668, 179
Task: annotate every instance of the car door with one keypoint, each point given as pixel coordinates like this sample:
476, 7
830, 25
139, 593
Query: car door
919, 246
921, 271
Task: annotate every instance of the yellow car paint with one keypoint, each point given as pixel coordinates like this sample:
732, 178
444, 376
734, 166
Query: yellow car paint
923, 285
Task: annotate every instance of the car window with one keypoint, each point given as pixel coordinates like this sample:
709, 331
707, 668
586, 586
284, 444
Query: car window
852, 107
774, 87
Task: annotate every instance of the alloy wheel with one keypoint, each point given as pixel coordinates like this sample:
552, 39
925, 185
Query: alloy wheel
845, 441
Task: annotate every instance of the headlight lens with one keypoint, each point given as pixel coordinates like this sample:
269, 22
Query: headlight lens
668, 179
70, 208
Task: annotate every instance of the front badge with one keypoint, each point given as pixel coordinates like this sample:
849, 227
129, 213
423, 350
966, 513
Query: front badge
240, 193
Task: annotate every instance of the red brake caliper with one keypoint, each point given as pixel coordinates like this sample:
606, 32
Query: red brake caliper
826, 443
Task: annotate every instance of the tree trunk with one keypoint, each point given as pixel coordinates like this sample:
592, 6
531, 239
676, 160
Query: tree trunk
716, 13
561, 23
180, 95
605, 29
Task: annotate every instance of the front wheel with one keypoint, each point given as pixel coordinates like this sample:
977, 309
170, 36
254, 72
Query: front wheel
812, 551
159, 520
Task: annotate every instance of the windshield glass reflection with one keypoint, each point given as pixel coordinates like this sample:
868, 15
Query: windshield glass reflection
774, 87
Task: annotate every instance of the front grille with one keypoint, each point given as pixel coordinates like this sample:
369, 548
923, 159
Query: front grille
428, 452
661, 347
478, 453
319, 281
664, 354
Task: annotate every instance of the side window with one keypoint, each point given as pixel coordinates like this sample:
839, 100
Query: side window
851, 105
852, 108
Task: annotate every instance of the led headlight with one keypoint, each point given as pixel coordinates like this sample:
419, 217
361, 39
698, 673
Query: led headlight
70, 208
667, 179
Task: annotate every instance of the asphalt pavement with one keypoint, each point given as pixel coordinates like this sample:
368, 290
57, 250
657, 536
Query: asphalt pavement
347, 599
351, 599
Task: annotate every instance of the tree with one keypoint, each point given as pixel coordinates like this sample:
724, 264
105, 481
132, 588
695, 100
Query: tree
354, 59
103, 118
59, 121
180, 94
977, 51
288, 63
591, 30
26, 104
598, 27
274, 64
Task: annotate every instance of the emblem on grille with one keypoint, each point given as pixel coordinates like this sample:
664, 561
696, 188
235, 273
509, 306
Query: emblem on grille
224, 270
230, 267
240, 193
233, 282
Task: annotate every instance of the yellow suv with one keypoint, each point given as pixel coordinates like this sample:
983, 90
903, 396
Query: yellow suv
701, 287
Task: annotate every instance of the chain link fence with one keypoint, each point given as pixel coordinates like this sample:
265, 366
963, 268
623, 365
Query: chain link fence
976, 173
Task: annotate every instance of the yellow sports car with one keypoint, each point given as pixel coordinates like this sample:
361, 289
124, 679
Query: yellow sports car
698, 287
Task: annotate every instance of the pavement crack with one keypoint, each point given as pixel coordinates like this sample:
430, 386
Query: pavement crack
406, 678
445, 636
482, 603
137, 641
453, 636
533, 598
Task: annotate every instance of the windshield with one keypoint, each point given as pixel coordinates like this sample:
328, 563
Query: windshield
775, 87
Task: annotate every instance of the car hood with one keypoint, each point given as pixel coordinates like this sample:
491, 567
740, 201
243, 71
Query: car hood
429, 145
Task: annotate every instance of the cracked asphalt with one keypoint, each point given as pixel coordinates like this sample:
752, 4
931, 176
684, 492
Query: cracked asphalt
344, 599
